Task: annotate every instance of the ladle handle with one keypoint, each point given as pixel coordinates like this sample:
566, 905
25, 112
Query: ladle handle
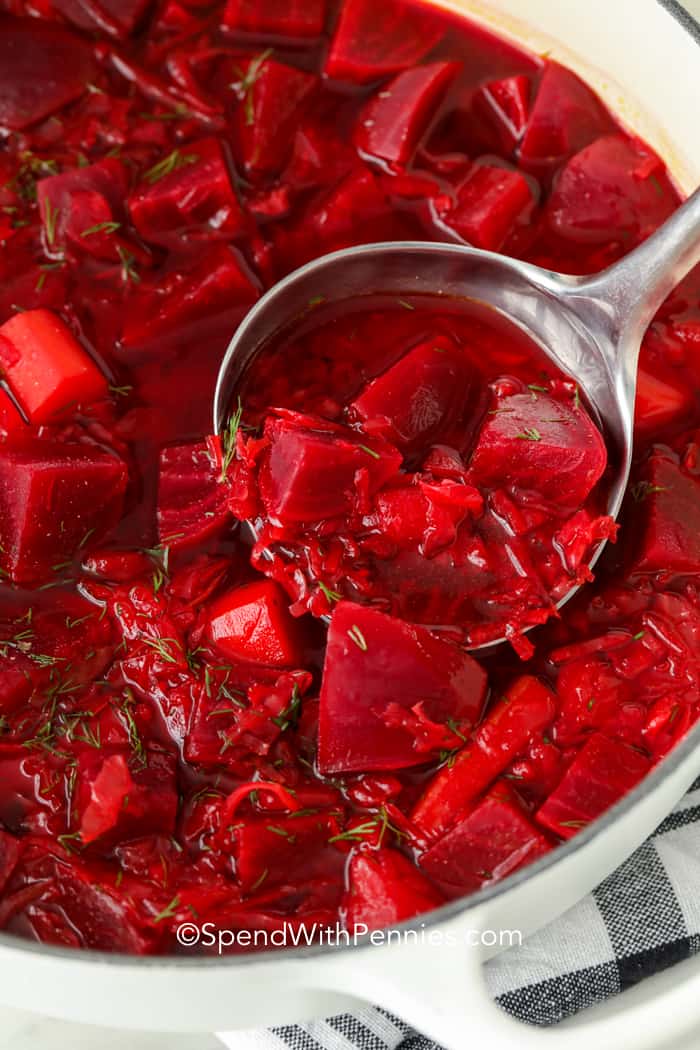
634, 288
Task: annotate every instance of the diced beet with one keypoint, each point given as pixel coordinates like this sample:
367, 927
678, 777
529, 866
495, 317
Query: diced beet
289, 850
416, 400
120, 16
46, 367
668, 517
384, 888
290, 19
54, 632
613, 189
372, 41
356, 207
79, 207
602, 772
191, 498
72, 902
53, 496
424, 516
377, 666
565, 116
527, 708
493, 841
504, 105
188, 299
123, 795
320, 157
667, 723
271, 97
392, 123
540, 443
28, 45
487, 207
660, 402
351, 209
591, 690
252, 623
196, 197
118, 566
315, 470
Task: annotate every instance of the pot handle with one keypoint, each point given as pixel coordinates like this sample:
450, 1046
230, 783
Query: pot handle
435, 984
440, 990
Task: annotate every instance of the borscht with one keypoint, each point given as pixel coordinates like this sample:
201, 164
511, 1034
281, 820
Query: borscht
247, 677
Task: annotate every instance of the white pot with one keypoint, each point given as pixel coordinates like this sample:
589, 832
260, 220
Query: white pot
645, 61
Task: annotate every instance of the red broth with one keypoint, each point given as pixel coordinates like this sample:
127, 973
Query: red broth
175, 743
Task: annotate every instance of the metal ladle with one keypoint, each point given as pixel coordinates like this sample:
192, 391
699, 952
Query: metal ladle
590, 327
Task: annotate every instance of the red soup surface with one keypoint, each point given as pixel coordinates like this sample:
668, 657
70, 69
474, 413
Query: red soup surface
240, 677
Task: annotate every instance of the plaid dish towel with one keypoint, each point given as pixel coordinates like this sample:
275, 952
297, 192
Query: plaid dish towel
641, 919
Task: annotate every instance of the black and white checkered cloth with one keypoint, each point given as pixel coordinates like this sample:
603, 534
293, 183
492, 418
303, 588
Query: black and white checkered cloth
641, 919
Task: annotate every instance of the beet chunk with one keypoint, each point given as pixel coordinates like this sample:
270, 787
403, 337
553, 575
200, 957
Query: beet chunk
378, 668
252, 623
527, 708
73, 903
28, 45
53, 496
487, 207
79, 207
301, 20
58, 630
660, 401
668, 512
122, 795
504, 105
391, 124
384, 888
284, 850
122, 16
565, 116
540, 443
191, 497
189, 298
196, 197
613, 189
46, 367
271, 98
602, 772
415, 401
372, 40
315, 470
493, 841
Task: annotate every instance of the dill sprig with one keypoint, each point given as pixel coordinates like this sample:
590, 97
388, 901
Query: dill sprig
51, 215
101, 227
290, 715
244, 87
330, 595
168, 911
173, 162
129, 273
228, 440
356, 635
